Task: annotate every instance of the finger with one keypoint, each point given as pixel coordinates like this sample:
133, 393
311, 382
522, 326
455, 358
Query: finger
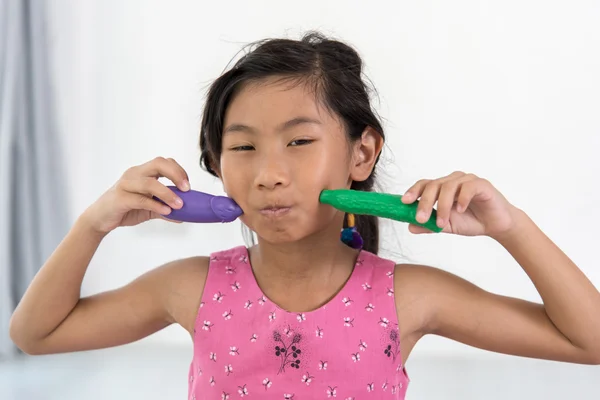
467, 191
154, 215
428, 199
136, 201
185, 185
448, 195
416, 229
450, 177
153, 188
170, 169
414, 192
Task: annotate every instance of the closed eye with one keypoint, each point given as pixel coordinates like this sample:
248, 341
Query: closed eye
300, 142
242, 148
294, 143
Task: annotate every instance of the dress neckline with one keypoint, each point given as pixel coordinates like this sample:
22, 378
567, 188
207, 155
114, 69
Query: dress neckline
338, 297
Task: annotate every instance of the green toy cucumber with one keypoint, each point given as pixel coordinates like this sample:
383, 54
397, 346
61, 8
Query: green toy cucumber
383, 205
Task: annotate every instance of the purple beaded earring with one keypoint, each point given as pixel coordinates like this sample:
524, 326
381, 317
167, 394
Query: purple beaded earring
350, 236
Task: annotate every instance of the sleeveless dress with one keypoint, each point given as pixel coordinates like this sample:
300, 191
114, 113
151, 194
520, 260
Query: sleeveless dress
245, 346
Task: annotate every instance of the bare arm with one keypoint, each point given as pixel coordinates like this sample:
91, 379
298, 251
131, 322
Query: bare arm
565, 328
51, 318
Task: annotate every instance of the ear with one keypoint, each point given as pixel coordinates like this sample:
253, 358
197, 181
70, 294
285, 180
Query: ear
217, 172
366, 151
216, 168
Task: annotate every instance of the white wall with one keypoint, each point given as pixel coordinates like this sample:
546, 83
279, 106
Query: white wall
507, 90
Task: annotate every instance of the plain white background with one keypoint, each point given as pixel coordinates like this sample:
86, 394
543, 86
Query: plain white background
507, 90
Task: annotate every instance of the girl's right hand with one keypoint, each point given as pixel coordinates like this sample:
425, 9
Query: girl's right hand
129, 202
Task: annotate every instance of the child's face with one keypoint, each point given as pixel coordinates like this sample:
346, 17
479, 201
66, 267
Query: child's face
276, 172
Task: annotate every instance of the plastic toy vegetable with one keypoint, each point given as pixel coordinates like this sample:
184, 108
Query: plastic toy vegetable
202, 207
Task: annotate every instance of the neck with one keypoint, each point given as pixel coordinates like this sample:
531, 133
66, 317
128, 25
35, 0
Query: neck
318, 265
312, 259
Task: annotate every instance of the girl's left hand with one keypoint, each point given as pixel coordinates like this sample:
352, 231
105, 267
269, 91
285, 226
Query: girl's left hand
466, 205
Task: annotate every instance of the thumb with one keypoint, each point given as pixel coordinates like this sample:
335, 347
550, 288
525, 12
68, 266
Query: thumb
416, 229
171, 220
154, 215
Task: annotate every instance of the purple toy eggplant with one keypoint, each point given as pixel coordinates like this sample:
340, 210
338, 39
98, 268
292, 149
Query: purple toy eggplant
203, 207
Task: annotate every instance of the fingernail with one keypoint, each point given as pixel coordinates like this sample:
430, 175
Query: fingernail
185, 185
421, 216
440, 222
178, 201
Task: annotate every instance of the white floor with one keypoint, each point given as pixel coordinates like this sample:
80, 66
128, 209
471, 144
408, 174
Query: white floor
154, 372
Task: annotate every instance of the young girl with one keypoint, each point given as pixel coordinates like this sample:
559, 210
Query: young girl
300, 314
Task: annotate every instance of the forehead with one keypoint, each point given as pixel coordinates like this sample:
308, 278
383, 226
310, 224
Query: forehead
273, 100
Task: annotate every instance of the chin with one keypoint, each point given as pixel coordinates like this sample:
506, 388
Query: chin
281, 233
276, 239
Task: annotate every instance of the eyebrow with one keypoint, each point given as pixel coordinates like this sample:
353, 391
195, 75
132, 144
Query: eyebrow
286, 125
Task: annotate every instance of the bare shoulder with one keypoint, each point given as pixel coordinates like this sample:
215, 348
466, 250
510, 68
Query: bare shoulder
419, 289
182, 283
412, 287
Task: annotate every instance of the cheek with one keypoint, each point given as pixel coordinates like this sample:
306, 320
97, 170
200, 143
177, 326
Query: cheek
327, 170
234, 178
325, 173
330, 174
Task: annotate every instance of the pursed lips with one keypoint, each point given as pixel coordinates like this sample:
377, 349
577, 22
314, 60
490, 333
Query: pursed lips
275, 210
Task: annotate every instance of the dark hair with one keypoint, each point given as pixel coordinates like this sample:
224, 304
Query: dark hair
334, 68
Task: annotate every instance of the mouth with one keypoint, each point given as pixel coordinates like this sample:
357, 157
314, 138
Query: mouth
275, 211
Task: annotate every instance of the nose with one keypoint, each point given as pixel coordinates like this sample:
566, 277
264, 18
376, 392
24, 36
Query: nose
272, 172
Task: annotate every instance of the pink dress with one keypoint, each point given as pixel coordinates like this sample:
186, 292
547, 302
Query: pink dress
245, 346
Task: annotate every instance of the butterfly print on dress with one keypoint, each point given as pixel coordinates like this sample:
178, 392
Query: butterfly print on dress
233, 305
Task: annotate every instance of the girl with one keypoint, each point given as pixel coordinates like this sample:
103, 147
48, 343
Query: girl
300, 314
